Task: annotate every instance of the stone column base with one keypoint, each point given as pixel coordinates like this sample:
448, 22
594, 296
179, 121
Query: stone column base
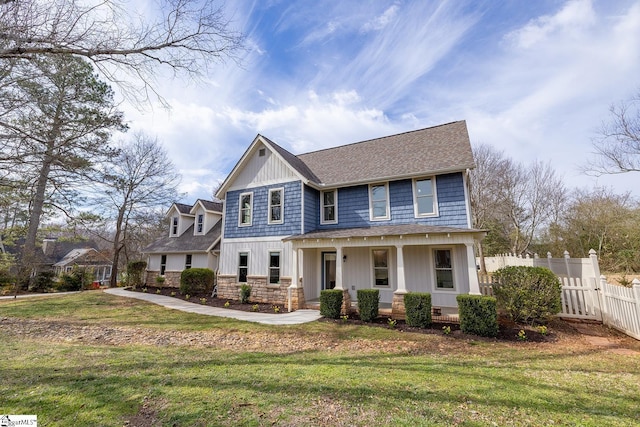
398, 310
346, 302
297, 298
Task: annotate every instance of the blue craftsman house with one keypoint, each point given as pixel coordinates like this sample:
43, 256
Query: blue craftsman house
391, 214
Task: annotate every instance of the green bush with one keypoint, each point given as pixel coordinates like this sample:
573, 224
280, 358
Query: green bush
75, 280
417, 308
331, 303
478, 315
42, 282
197, 280
528, 294
368, 301
135, 271
245, 293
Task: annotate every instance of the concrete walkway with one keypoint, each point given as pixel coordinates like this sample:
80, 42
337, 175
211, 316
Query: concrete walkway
294, 318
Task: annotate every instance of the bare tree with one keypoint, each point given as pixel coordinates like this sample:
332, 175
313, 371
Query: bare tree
485, 186
618, 146
530, 197
133, 184
182, 36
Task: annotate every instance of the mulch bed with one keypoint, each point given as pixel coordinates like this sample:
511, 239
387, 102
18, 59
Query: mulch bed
508, 331
206, 299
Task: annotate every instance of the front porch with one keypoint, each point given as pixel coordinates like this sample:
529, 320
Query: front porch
393, 259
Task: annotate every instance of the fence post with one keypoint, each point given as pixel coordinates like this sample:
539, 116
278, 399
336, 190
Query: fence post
566, 262
636, 294
549, 260
604, 306
594, 262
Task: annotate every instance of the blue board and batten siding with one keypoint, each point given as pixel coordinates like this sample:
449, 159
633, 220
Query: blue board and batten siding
311, 209
353, 208
353, 205
260, 226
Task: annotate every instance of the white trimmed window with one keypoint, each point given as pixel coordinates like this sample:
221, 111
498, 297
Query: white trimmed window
379, 201
163, 264
444, 269
380, 267
424, 197
329, 208
200, 223
187, 261
274, 267
243, 267
276, 205
174, 226
245, 209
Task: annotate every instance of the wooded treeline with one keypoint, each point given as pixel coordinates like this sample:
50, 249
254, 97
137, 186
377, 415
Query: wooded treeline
67, 167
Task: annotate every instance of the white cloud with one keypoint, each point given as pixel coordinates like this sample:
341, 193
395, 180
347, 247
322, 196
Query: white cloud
572, 20
380, 22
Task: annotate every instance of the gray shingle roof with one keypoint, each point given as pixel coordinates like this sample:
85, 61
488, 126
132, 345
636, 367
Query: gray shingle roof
211, 206
182, 208
436, 149
186, 242
381, 230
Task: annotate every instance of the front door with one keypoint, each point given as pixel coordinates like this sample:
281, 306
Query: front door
328, 270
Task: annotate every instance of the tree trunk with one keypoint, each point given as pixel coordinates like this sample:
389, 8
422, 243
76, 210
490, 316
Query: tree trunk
483, 266
117, 247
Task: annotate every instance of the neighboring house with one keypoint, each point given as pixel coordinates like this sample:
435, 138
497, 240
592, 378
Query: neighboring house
391, 214
192, 240
63, 256
89, 259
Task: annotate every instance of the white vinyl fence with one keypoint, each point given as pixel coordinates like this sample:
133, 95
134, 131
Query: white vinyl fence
585, 293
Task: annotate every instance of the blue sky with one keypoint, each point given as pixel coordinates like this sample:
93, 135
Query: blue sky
532, 78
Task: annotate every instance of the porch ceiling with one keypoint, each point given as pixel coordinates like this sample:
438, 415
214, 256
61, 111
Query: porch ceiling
386, 230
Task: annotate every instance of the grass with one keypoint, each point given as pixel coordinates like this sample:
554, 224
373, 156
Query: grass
447, 382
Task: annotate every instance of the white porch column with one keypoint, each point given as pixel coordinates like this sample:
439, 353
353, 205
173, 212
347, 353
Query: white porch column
474, 285
402, 286
294, 268
339, 267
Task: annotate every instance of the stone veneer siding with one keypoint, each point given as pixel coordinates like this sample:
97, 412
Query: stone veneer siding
398, 310
171, 279
261, 292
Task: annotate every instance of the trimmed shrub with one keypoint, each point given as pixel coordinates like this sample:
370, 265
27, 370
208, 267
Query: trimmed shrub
417, 308
331, 303
528, 294
69, 282
478, 315
197, 280
368, 301
135, 270
245, 293
42, 282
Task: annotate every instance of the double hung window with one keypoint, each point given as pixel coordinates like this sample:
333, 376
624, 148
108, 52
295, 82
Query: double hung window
444, 268
200, 223
380, 267
329, 208
276, 205
424, 197
243, 267
246, 208
379, 201
274, 267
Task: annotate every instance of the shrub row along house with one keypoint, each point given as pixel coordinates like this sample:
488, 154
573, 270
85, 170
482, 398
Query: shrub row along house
391, 214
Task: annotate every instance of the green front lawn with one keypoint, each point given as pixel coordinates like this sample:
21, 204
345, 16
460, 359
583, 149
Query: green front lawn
441, 381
